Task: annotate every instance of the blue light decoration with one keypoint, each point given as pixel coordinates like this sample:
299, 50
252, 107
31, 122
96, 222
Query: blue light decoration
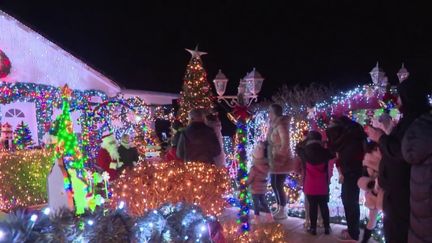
169, 223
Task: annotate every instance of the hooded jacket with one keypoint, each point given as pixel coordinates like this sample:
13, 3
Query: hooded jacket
316, 158
198, 142
394, 170
280, 159
417, 150
347, 138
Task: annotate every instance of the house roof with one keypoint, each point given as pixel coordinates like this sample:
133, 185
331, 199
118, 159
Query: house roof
35, 59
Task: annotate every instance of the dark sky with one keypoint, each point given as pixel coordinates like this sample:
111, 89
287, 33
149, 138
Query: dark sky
140, 44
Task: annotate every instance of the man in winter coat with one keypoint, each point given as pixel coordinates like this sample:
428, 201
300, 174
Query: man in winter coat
347, 140
394, 171
212, 120
417, 150
198, 142
280, 159
108, 158
128, 153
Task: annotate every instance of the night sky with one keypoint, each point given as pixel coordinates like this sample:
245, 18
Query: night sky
141, 46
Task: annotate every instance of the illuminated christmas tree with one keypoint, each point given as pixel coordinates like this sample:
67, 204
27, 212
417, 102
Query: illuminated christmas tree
22, 136
67, 145
196, 90
69, 156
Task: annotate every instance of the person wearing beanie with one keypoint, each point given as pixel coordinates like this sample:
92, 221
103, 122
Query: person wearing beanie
316, 181
257, 180
394, 170
108, 157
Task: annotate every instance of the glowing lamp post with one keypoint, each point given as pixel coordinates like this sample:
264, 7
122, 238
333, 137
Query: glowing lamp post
248, 90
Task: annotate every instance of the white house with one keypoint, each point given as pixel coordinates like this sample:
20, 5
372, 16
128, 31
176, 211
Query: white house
34, 59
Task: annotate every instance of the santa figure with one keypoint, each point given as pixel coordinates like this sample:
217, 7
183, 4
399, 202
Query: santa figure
108, 157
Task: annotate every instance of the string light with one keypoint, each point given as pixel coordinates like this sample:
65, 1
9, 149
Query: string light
242, 176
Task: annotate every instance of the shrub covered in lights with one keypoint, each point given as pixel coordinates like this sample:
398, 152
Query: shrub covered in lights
149, 186
23, 178
169, 223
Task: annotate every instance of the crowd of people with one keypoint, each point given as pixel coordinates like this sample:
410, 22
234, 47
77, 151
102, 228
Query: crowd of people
391, 161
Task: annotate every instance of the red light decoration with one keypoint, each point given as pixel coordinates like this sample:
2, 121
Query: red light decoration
5, 65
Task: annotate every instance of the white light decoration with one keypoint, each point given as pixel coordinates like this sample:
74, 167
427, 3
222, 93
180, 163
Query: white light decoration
36, 59
47, 211
90, 222
121, 205
33, 218
203, 228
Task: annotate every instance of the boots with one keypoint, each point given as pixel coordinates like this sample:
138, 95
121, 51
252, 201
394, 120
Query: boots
280, 214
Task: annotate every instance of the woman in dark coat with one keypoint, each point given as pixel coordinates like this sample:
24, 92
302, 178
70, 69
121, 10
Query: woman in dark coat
394, 171
417, 150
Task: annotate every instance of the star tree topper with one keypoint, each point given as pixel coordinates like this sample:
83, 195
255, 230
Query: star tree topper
195, 53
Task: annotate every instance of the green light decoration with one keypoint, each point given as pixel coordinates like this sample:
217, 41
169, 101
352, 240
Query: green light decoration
80, 189
67, 140
22, 136
69, 155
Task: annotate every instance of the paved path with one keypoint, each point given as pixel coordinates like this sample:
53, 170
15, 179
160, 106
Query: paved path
296, 231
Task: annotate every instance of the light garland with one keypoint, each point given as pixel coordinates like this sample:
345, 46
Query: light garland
45, 97
148, 186
242, 176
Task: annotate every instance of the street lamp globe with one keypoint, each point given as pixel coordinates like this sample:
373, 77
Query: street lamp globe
378, 76
220, 83
403, 74
254, 82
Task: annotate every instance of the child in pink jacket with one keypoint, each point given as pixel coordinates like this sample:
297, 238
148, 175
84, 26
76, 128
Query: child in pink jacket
316, 181
257, 179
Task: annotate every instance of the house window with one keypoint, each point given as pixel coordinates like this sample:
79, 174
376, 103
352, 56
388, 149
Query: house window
14, 113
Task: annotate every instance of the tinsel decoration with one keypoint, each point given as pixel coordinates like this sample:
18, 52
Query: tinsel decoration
148, 186
5, 65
